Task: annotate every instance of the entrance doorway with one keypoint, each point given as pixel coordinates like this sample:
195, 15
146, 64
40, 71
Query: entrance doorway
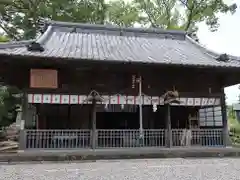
63, 116
117, 120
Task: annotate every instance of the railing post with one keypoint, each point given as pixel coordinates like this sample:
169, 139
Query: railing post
96, 138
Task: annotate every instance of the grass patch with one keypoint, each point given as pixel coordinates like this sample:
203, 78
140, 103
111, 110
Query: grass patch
234, 127
233, 123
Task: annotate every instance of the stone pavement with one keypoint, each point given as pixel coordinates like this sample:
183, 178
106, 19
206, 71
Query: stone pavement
147, 169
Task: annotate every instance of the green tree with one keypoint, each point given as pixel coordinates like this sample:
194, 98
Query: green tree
205, 10
123, 13
183, 14
231, 113
9, 102
20, 19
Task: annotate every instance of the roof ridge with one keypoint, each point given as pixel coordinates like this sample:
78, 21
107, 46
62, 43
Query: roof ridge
115, 28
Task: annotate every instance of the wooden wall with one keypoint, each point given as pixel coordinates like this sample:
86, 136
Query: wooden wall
114, 78
154, 83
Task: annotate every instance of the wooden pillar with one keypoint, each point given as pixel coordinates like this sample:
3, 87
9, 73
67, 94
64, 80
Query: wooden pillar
168, 138
22, 135
224, 118
93, 120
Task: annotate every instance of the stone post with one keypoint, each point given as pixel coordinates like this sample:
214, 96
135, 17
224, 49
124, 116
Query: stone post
22, 135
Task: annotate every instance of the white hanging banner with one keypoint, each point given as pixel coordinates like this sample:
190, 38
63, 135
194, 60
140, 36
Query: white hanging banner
119, 99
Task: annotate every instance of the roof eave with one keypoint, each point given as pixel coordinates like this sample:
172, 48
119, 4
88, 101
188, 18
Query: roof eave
59, 60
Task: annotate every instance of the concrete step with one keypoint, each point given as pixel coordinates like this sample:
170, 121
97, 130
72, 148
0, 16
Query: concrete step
134, 153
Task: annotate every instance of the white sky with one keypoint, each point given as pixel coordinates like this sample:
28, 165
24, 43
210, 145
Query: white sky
225, 40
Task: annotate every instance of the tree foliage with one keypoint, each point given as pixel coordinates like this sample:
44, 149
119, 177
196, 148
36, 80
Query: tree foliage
20, 19
123, 13
231, 113
183, 14
9, 102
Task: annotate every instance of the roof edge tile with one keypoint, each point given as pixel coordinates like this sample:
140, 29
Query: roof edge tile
44, 37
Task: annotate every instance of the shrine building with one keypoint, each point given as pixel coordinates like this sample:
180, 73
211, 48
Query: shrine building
101, 86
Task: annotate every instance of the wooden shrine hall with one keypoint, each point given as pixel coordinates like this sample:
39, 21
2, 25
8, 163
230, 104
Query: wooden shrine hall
97, 86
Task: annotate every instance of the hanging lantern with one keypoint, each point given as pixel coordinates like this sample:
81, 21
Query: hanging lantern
154, 107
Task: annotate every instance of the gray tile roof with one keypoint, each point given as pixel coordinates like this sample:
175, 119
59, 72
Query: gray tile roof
102, 42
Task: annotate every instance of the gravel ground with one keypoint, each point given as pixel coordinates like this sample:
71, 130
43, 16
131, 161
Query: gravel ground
147, 169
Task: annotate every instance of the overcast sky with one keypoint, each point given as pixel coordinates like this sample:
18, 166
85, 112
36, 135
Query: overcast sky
225, 40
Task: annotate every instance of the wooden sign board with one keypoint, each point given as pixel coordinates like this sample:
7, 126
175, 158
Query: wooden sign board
43, 78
